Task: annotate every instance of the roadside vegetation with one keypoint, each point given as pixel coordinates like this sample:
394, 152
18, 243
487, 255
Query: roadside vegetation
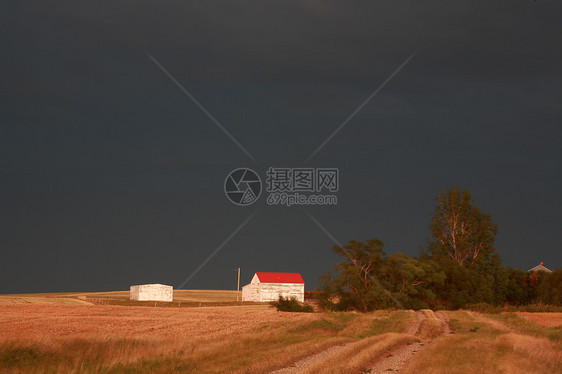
285, 304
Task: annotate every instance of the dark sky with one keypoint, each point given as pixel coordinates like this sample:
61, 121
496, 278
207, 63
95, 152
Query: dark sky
111, 176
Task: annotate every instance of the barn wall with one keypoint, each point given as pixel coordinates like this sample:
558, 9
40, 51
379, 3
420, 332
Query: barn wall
134, 293
250, 292
255, 279
264, 292
152, 292
272, 291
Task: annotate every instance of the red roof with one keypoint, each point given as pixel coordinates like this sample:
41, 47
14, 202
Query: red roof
280, 277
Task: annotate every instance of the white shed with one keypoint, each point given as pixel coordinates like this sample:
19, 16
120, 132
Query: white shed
152, 292
269, 286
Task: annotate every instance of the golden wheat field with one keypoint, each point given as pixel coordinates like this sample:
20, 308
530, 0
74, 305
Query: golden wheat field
76, 333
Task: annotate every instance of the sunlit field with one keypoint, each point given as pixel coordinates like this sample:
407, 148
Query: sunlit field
65, 333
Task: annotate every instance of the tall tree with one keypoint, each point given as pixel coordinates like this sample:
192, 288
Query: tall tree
460, 229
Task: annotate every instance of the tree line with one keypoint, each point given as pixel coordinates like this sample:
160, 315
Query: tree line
458, 268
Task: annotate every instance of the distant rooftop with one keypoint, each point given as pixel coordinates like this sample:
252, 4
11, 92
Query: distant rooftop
540, 267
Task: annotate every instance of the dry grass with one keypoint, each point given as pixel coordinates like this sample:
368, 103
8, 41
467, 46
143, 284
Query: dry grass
127, 339
40, 320
248, 353
544, 319
117, 339
186, 296
4, 300
41, 338
481, 346
514, 322
527, 354
430, 327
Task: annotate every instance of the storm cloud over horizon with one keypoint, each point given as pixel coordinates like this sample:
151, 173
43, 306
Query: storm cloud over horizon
112, 176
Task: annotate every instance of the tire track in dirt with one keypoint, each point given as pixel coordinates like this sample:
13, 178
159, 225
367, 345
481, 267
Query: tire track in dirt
397, 358
393, 360
310, 360
445, 328
415, 325
314, 359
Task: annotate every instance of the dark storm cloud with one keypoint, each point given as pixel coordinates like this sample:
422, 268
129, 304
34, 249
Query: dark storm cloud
102, 157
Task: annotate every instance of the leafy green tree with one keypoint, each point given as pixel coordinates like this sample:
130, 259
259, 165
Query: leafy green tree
460, 229
517, 290
356, 273
550, 288
353, 284
410, 280
367, 280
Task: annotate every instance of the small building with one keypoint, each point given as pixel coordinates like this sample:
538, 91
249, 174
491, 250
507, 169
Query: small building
540, 267
269, 286
152, 292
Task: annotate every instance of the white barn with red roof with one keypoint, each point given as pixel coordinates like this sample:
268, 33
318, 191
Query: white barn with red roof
269, 286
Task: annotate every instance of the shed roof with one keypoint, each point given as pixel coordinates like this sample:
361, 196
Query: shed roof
279, 277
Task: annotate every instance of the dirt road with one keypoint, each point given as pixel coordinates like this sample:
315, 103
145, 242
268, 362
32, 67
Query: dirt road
392, 361
397, 358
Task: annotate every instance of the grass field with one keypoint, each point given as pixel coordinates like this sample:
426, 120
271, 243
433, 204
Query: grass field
181, 298
65, 333
118, 339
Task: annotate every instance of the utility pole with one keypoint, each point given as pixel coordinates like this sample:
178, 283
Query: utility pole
238, 284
